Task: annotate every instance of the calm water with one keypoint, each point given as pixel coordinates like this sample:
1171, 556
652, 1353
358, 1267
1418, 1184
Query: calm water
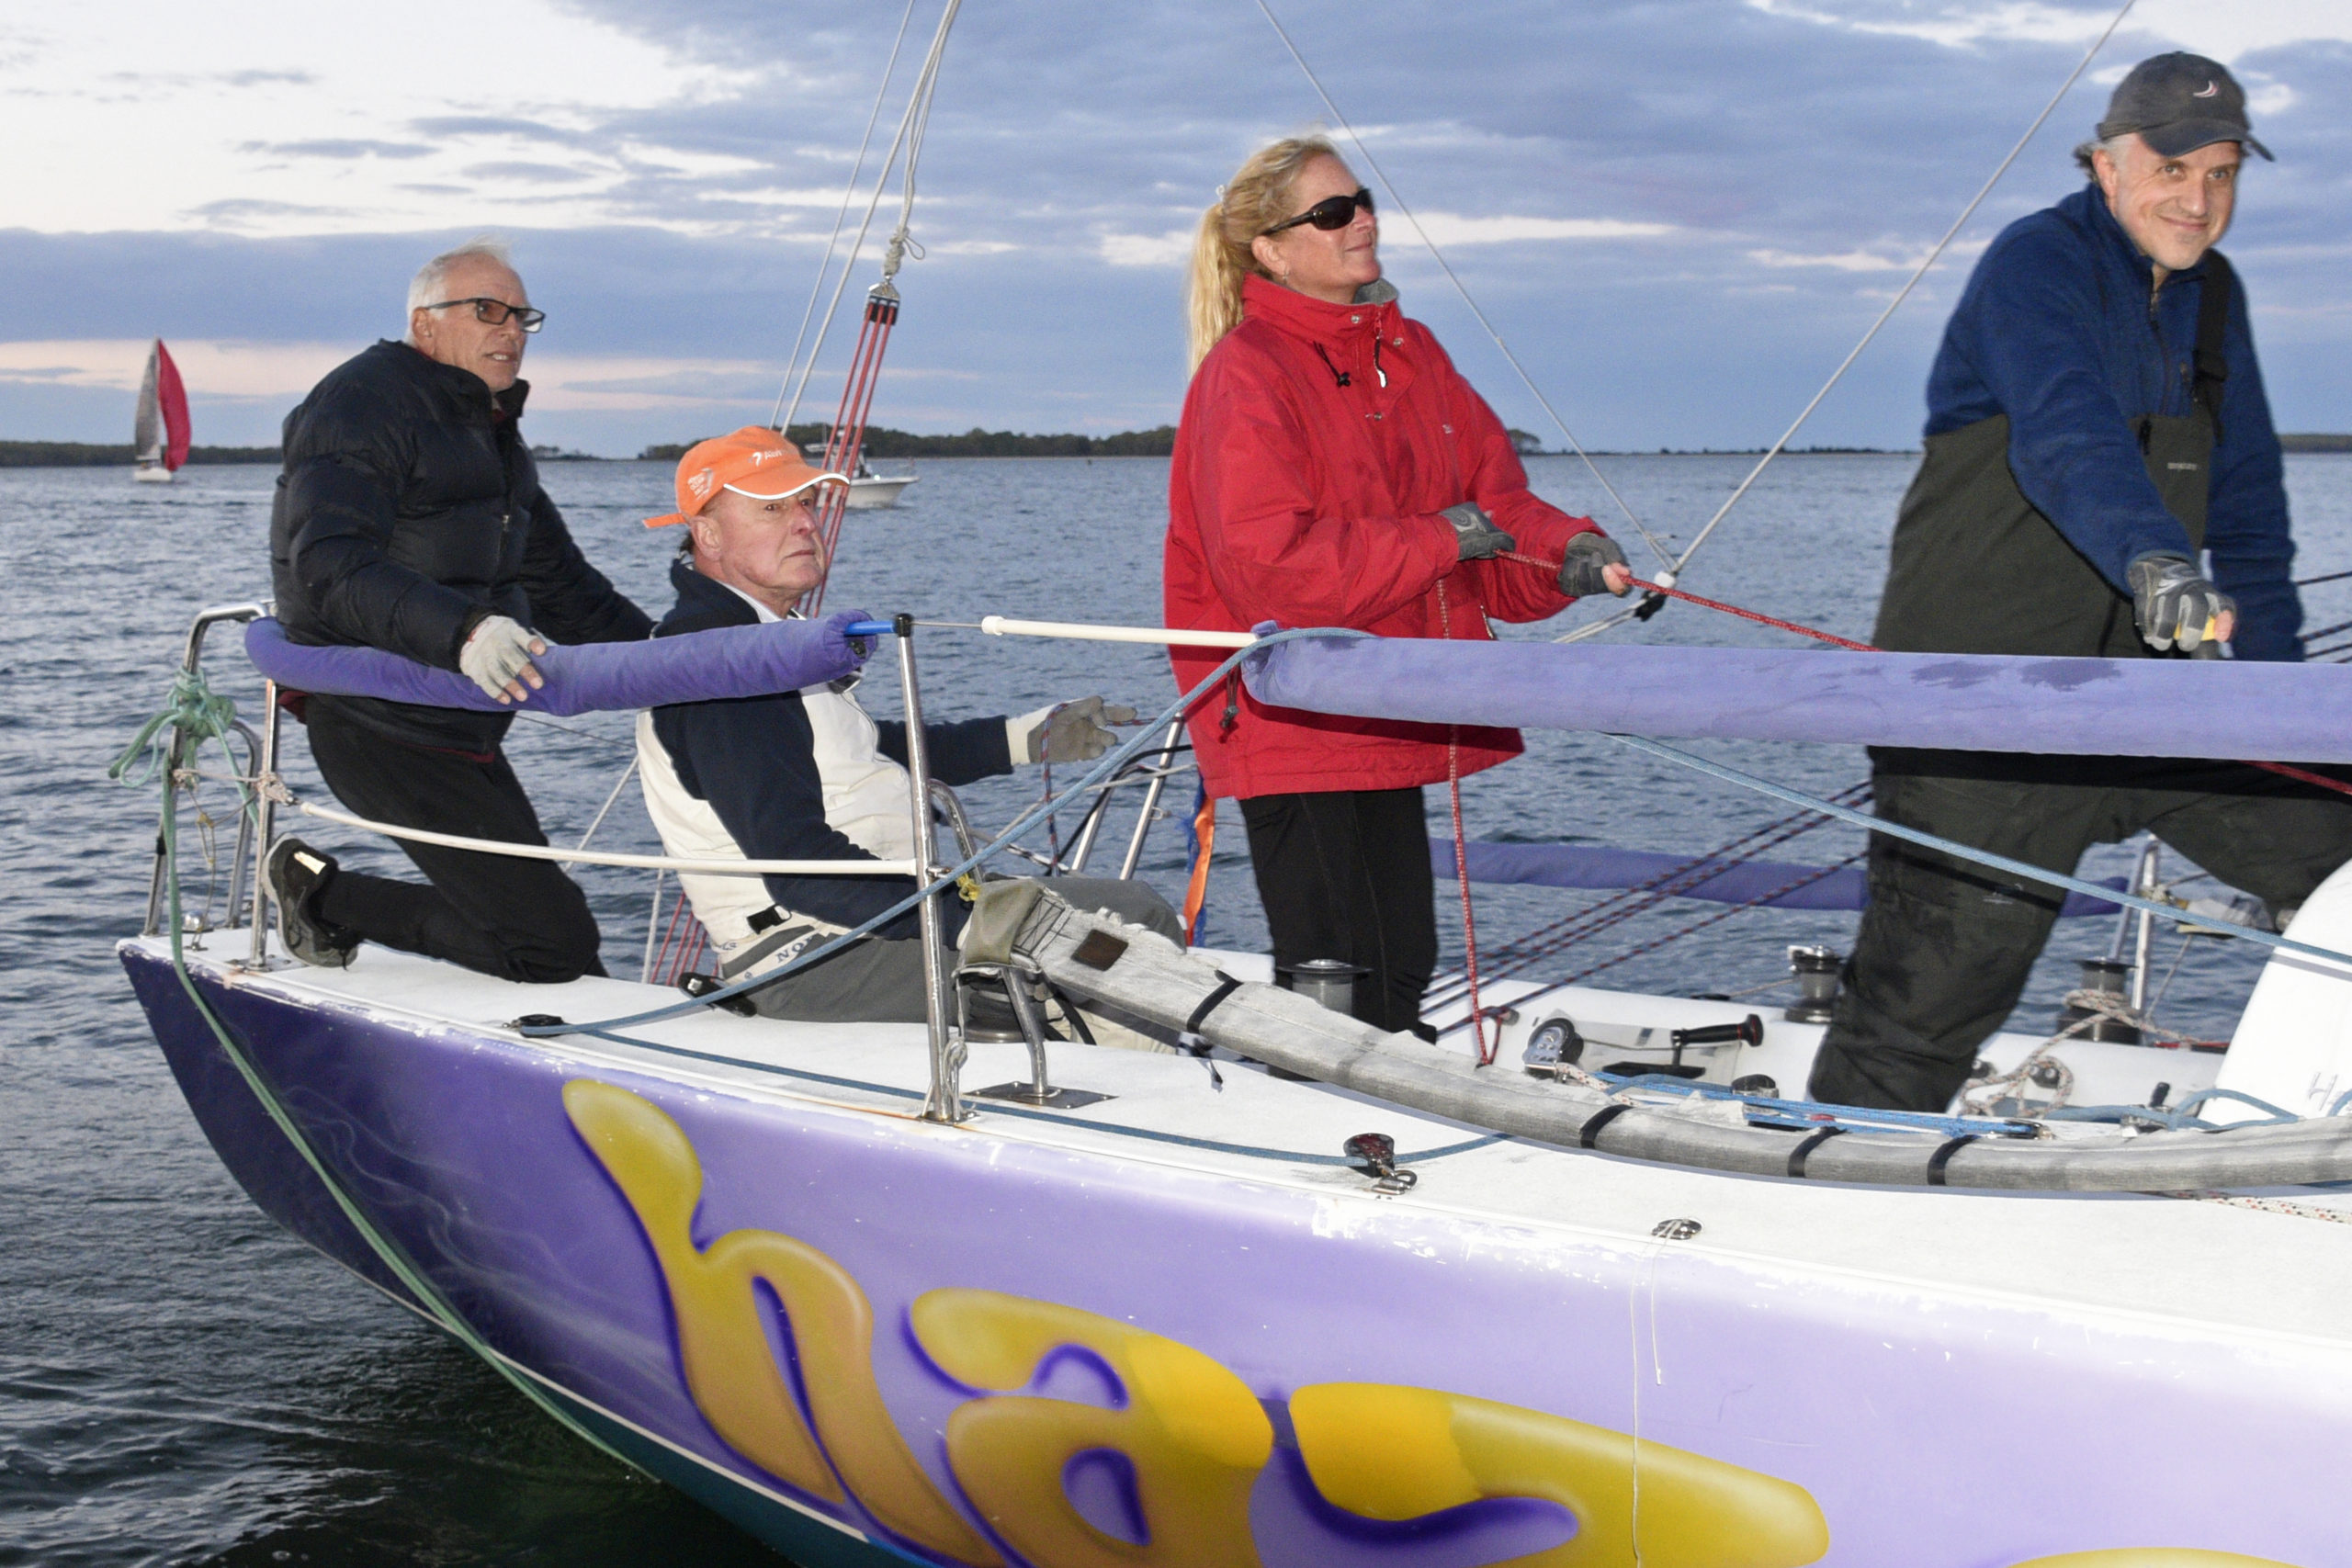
181, 1383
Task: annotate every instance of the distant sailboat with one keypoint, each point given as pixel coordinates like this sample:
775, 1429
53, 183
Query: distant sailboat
160, 437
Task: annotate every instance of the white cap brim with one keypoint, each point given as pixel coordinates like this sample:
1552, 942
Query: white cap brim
787, 494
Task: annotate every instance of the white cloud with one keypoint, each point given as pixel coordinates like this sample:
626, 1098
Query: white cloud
280, 117
1841, 261
1450, 229
2221, 31
1171, 249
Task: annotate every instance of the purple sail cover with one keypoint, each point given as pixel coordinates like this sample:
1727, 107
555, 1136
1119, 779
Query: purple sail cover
1766, 883
588, 677
2132, 708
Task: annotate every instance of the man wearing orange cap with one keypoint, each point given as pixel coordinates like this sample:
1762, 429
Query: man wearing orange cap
807, 774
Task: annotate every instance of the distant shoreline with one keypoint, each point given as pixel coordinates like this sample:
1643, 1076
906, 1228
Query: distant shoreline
888, 445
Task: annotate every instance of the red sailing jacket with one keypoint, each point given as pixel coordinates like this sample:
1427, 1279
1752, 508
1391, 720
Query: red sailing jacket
1297, 500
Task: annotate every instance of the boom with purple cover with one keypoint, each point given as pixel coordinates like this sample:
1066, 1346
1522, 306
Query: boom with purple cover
589, 677
2132, 707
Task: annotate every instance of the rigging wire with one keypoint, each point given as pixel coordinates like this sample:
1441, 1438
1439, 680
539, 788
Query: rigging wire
911, 124
849, 194
1665, 558
1905, 292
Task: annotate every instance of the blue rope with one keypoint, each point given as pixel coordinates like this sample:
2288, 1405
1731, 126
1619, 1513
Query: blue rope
2271, 1111
1814, 1115
1967, 853
1145, 739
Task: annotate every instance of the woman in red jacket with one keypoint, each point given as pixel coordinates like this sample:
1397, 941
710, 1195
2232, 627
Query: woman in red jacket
1333, 469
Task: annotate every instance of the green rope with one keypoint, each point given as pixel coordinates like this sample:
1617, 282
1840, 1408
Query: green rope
195, 711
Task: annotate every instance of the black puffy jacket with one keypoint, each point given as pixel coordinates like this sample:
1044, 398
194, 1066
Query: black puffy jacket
409, 511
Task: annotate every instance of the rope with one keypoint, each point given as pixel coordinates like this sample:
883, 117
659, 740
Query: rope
917, 115
849, 194
1668, 592
193, 710
1478, 1016
1665, 558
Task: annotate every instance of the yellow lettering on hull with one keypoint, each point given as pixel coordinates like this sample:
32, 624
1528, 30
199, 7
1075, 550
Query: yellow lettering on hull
723, 1344
1196, 1434
1399, 1453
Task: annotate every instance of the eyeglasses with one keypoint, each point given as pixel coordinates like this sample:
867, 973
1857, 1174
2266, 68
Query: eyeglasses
1332, 212
494, 311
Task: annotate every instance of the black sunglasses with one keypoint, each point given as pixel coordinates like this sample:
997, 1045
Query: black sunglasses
494, 313
1332, 212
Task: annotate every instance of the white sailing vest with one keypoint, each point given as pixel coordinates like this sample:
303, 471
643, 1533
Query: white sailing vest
866, 801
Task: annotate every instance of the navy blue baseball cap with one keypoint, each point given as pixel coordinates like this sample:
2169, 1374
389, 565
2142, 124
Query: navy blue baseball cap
2178, 103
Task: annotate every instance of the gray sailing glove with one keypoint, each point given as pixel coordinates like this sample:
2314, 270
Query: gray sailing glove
1475, 533
1588, 554
2172, 603
497, 658
1066, 732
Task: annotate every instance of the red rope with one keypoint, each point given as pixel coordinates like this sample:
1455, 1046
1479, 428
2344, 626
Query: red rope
1477, 1018
1756, 616
2304, 775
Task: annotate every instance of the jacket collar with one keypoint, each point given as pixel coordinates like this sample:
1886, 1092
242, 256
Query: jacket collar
703, 603
1314, 321
463, 388
2089, 208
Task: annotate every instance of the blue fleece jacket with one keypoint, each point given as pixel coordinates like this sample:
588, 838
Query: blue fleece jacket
2057, 331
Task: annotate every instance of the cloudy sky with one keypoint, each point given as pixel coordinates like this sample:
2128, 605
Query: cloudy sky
1681, 213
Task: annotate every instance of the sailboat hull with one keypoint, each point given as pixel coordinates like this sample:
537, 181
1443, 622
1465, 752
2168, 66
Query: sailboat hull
1180, 1314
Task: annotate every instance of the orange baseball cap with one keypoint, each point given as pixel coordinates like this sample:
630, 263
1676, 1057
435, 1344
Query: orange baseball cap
754, 461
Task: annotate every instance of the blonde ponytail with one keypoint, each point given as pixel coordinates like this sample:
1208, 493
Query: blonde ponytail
1254, 200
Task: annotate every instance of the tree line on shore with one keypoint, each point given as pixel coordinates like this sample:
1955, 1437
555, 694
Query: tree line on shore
880, 442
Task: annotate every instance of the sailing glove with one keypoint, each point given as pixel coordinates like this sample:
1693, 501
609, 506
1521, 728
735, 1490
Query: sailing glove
2174, 603
1475, 533
497, 658
1584, 563
1066, 732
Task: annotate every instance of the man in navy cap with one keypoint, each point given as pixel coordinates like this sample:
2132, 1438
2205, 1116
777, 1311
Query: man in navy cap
2096, 435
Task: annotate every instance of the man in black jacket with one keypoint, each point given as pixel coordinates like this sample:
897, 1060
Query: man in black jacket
410, 518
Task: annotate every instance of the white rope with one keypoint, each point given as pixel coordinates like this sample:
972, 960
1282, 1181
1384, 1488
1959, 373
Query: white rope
911, 125
1665, 558
637, 863
1933, 256
849, 194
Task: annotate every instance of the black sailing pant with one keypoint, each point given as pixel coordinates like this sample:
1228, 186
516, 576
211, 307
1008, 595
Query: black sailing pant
519, 920
1346, 876
1946, 946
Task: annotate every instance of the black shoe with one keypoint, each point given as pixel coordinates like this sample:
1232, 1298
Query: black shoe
294, 874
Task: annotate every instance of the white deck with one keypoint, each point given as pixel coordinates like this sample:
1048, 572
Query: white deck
2201, 1269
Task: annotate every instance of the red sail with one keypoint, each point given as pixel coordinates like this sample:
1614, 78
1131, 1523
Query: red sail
173, 398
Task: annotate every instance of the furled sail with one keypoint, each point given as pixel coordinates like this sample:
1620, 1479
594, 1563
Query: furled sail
2132, 708
589, 677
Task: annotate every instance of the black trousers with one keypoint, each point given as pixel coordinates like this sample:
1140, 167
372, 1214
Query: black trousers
1346, 876
1946, 946
519, 920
